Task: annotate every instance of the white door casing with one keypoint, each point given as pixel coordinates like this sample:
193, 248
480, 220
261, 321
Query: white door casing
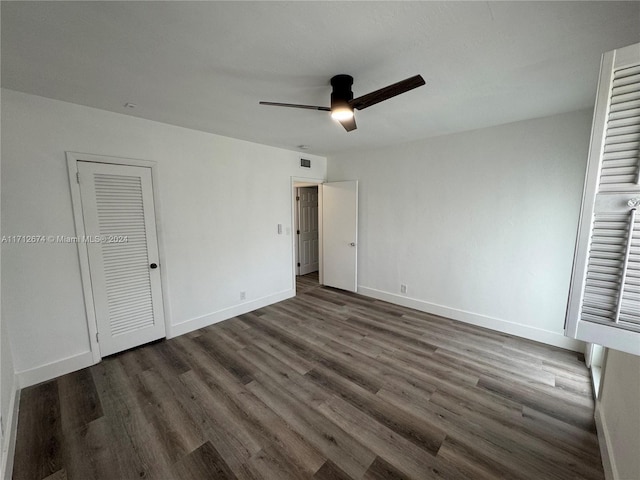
118, 209
604, 299
340, 234
308, 248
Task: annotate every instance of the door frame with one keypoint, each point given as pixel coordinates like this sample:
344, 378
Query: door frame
83, 252
297, 182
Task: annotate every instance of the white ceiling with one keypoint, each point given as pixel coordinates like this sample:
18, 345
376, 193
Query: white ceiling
206, 65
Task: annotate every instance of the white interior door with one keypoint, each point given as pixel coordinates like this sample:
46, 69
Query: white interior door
308, 230
340, 234
119, 221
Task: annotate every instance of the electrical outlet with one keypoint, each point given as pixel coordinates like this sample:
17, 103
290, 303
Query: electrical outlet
243, 295
403, 288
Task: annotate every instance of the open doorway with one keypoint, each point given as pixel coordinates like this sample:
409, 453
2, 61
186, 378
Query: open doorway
307, 236
336, 219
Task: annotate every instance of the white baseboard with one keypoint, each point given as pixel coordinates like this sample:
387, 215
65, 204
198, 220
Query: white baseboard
225, 314
604, 440
26, 378
517, 329
11, 433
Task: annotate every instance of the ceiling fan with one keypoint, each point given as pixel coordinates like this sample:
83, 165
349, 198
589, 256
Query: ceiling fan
343, 104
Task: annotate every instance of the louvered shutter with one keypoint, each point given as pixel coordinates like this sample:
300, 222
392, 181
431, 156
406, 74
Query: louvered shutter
121, 242
604, 302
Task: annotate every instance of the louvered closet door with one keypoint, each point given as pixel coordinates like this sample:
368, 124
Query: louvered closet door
119, 218
605, 299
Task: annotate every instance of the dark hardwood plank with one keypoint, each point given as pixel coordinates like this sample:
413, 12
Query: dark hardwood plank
514, 437
39, 439
220, 352
330, 471
217, 403
573, 409
423, 434
430, 371
178, 433
137, 447
227, 435
283, 353
326, 385
94, 452
262, 423
281, 373
79, 400
59, 475
382, 470
317, 354
136, 360
570, 436
305, 283
203, 462
272, 464
169, 358
335, 444
411, 460
475, 463
489, 364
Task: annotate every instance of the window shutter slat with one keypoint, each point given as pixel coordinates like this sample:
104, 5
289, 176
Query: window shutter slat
625, 97
630, 311
604, 301
624, 106
625, 73
625, 77
625, 117
604, 269
629, 88
620, 169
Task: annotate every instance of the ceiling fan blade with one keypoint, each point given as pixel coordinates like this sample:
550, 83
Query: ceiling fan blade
295, 105
387, 92
349, 124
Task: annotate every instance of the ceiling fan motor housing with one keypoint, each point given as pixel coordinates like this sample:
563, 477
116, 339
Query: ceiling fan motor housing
341, 94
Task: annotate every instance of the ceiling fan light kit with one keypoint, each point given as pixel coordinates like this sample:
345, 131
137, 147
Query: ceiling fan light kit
341, 113
343, 104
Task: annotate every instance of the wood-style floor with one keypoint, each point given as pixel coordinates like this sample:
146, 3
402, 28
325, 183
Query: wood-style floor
327, 385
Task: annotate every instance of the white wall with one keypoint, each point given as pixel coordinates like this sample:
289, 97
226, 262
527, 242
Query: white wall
479, 225
219, 203
8, 406
618, 413
8, 389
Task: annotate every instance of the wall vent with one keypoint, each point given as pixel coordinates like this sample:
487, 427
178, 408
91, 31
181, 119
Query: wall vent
305, 163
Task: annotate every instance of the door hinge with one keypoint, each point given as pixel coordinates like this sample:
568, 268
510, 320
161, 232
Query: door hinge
298, 263
298, 199
298, 232
78, 177
97, 337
